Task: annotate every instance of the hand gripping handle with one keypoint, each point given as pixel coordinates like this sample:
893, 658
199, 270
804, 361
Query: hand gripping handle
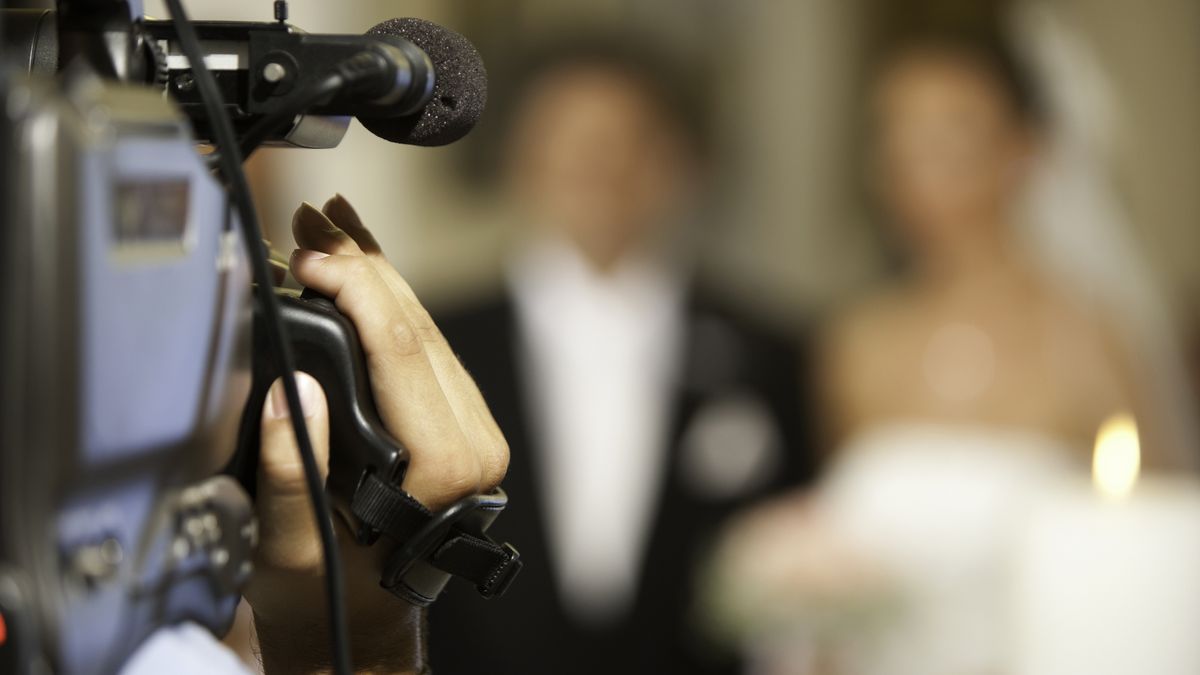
367, 464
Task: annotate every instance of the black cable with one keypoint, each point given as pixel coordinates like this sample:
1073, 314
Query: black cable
231, 167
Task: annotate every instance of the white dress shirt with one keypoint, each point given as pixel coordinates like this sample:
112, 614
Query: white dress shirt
602, 352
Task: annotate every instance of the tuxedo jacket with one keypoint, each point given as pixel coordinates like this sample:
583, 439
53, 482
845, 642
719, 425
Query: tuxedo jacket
730, 362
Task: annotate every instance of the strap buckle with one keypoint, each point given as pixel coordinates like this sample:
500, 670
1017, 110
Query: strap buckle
503, 574
432, 547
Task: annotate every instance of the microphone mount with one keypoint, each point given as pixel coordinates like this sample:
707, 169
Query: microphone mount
267, 69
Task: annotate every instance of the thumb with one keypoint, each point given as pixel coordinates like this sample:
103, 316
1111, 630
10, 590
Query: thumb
289, 538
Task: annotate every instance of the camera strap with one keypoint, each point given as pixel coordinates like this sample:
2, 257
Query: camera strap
432, 547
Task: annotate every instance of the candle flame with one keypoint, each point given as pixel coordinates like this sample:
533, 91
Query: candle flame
1117, 458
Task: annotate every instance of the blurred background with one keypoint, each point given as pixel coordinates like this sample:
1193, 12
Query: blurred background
947, 252
784, 83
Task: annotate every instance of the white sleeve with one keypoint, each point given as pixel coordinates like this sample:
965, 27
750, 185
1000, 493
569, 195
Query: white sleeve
186, 649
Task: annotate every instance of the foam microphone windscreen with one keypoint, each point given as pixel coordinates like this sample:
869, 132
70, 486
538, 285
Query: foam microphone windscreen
459, 92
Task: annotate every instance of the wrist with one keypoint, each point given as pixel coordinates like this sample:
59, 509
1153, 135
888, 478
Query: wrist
384, 643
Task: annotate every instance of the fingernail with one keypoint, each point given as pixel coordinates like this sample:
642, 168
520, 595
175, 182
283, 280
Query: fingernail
301, 212
277, 407
304, 254
316, 216
306, 387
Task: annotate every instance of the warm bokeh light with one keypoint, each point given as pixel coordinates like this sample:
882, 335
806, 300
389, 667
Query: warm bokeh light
1117, 459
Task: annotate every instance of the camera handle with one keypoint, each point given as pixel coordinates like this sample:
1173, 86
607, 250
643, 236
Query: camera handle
367, 465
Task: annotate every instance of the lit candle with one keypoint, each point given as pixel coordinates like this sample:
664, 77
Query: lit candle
1108, 576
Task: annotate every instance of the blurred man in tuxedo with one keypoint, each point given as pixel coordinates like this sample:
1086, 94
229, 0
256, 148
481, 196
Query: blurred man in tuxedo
640, 409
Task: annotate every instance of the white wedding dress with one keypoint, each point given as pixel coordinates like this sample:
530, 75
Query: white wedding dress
941, 509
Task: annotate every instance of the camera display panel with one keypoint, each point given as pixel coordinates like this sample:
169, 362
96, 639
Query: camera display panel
150, 210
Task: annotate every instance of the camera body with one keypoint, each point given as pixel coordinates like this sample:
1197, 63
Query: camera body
134, 361
125, 356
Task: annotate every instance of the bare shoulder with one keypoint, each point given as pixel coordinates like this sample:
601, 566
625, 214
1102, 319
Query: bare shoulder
856, 349
1093, 336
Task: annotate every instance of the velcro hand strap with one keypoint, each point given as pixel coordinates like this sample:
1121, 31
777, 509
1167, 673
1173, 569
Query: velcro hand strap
432, 547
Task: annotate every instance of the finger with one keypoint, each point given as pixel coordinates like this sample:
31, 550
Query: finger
342, 214
314, 230
473, 414
411, 399
467, 403
288, 532
337, 230
354, 284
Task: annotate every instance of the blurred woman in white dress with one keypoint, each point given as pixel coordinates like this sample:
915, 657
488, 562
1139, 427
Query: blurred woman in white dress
951, 395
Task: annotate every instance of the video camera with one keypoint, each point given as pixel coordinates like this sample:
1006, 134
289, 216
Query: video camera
136, 351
